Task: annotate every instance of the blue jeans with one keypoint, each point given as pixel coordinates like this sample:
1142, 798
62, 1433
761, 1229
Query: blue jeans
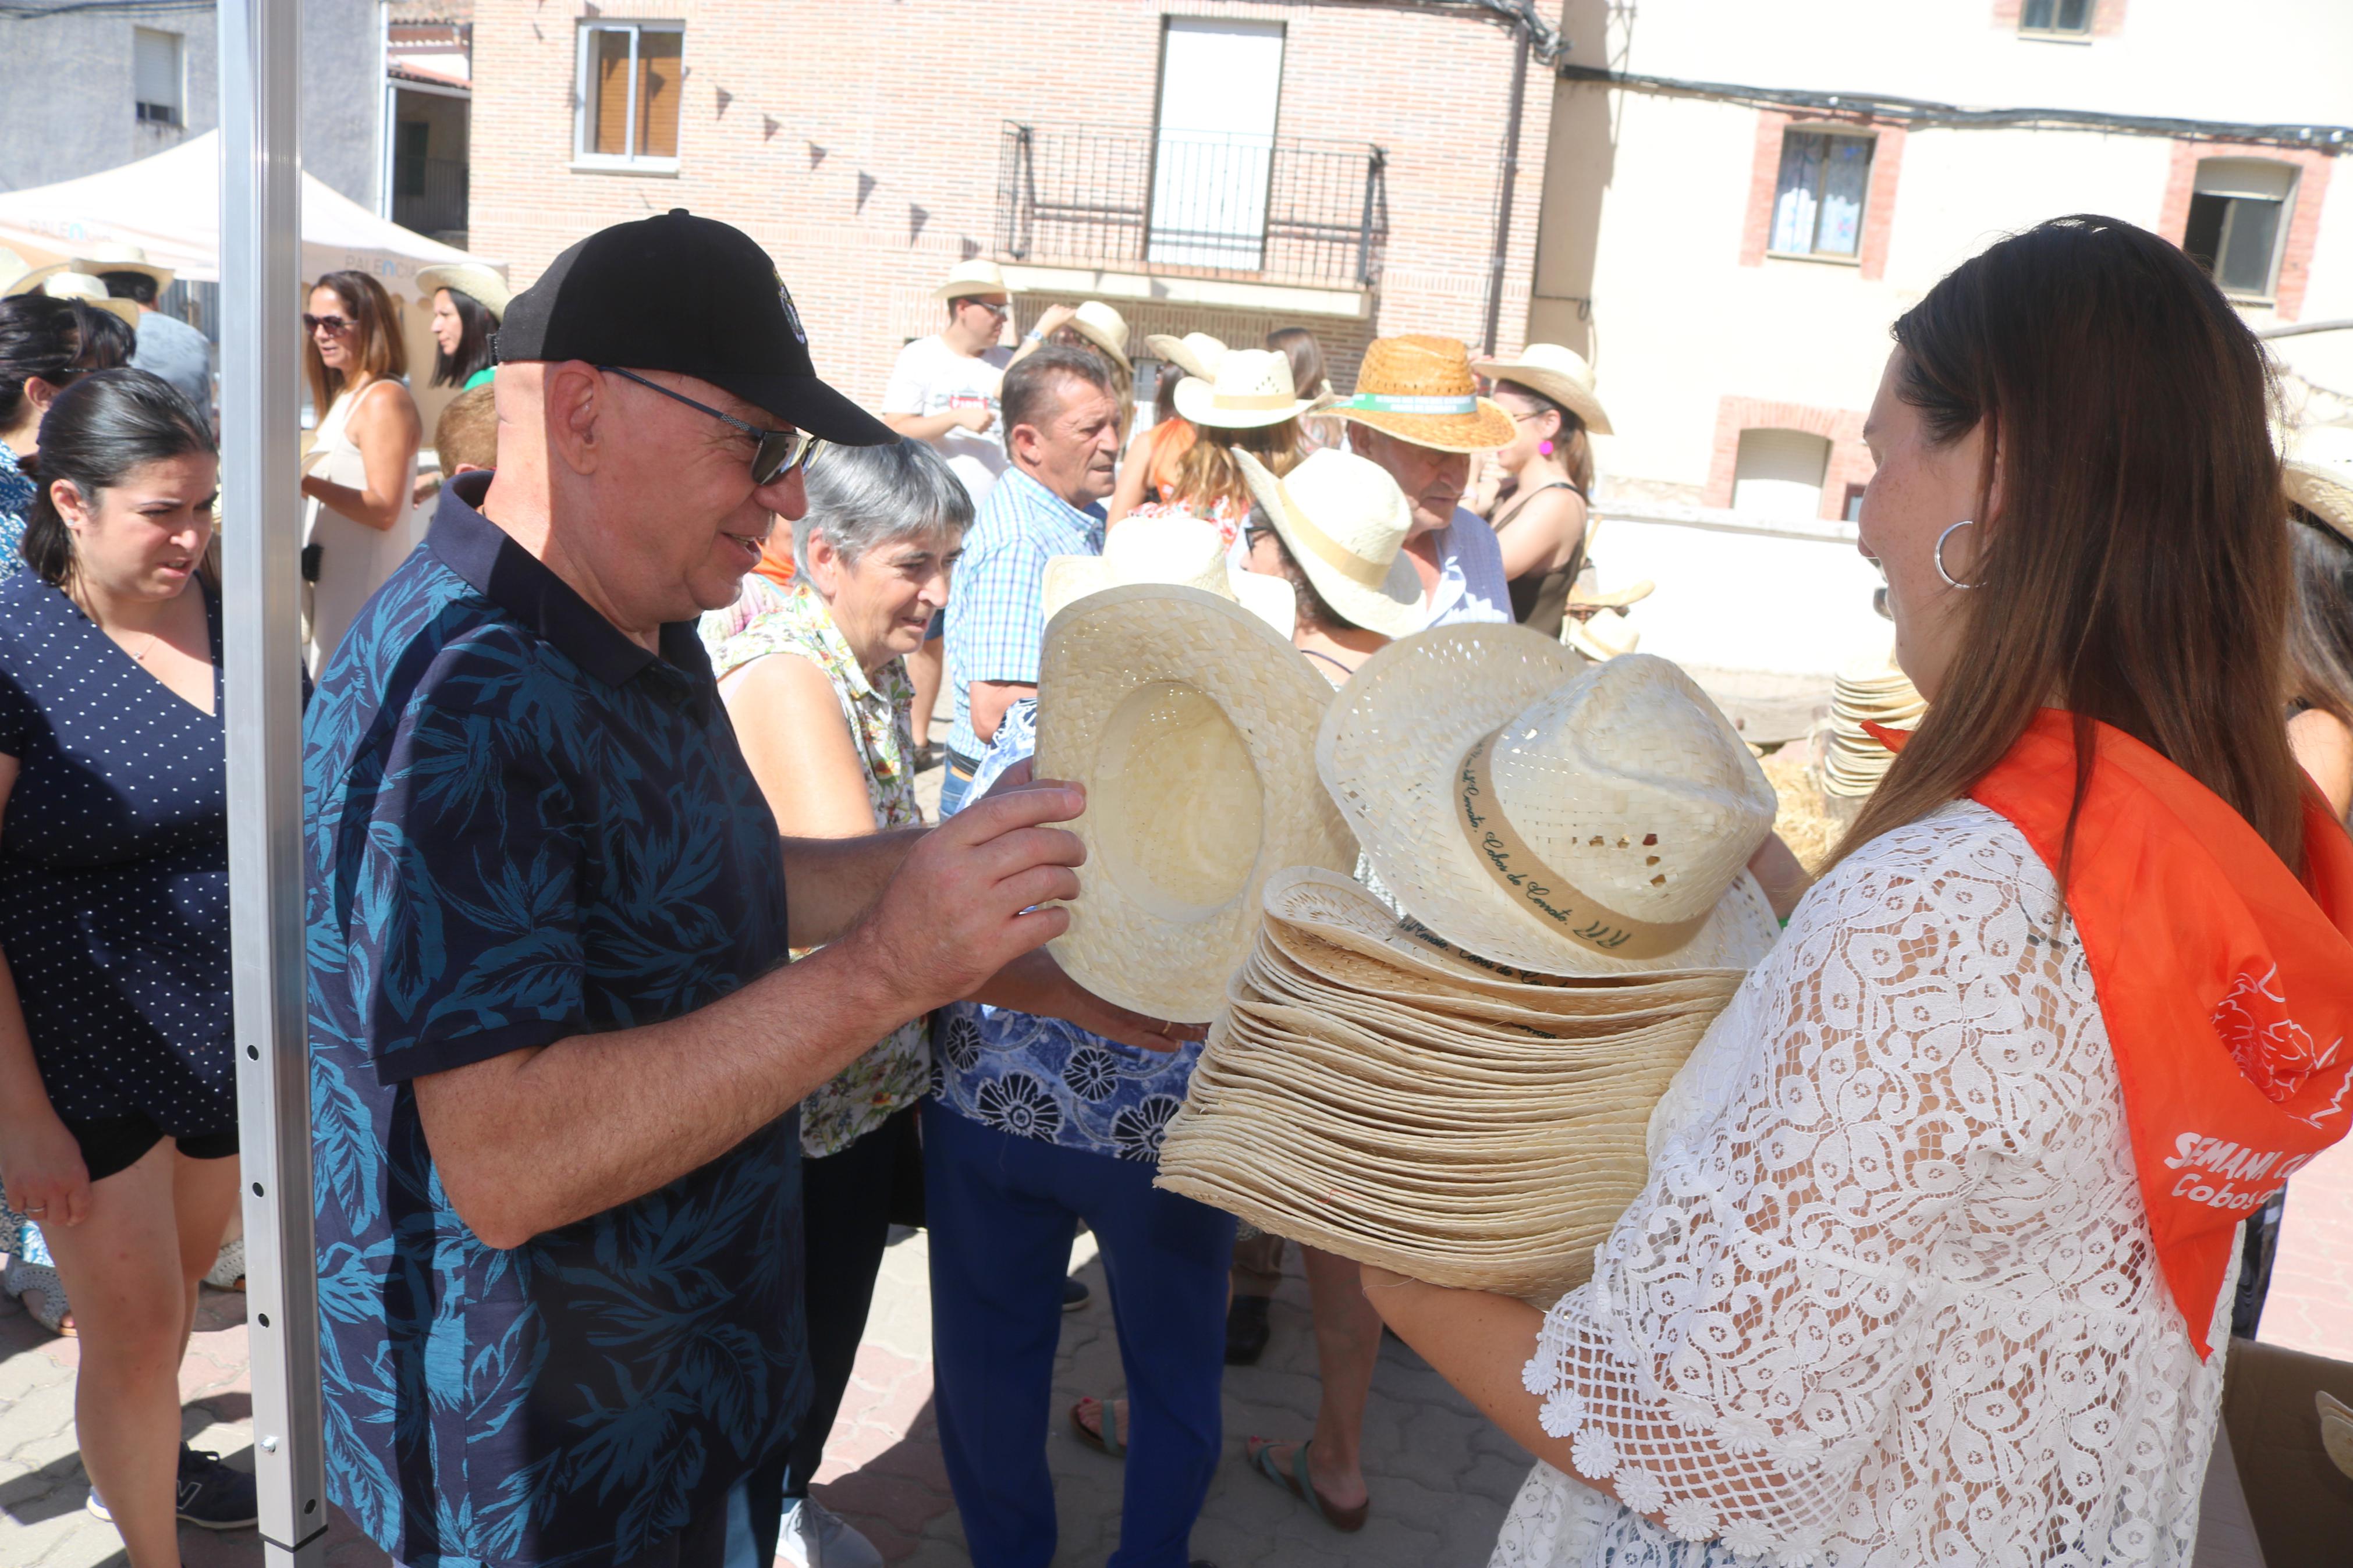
956, 783
1002, 1213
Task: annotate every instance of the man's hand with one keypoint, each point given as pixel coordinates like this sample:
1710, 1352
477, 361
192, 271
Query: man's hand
963, 905
976, 419
1036, 984
1055, 317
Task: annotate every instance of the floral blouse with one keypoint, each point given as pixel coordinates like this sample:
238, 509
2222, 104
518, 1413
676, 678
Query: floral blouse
769, 620
16, 493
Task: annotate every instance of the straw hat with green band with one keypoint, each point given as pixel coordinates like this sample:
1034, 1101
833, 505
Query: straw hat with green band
2319, 477
1420, 389
1344, 521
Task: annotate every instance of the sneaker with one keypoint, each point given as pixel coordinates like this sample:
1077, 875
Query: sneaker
227, 1272
814, 1536
1075, 1293
213, 1495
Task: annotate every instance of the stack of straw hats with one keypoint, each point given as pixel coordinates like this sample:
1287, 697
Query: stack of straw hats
1461, 1092
1371, 1096
1867, 691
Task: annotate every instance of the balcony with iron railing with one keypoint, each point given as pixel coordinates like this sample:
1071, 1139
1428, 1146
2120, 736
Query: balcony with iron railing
429, 195
1190, 203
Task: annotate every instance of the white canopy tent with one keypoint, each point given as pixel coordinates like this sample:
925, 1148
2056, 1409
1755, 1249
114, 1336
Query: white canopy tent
169, 204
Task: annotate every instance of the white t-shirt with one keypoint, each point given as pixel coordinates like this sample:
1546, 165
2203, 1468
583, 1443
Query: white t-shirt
932, 378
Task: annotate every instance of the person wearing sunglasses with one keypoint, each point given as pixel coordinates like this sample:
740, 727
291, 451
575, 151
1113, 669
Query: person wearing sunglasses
559, 1041
358, 519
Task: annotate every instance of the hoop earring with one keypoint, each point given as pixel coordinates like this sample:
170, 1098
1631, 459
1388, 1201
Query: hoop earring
1951, 580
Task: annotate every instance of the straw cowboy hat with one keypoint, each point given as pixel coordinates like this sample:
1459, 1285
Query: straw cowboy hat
1105, 328
1192, 725
469, 278
1602, 638
1344, 521
90, 291
1564, 817
19, 276
1559, 374
978, 276
1195, 353
2319, 477
114, 256
1251, 389
1170, 548
1420, 389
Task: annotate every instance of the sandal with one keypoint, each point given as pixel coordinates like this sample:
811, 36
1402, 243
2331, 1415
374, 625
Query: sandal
37, 1285
227, 1272
1346, 1521
1102, 1440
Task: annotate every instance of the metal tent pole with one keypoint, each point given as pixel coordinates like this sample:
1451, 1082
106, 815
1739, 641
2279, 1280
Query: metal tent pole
260, 271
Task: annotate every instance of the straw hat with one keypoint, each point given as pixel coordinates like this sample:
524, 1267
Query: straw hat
1602, 638
1192, 725
1250, 390
1869, 691
1420, 389
978, 276
467, 278
90, 291
114, 256
1195, 353
19, 276
1564, 817
1559, 374
1105, 328
1172, 547
2319, 477
1345, 520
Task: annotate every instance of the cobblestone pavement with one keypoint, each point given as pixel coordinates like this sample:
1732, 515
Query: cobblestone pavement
1441, 1476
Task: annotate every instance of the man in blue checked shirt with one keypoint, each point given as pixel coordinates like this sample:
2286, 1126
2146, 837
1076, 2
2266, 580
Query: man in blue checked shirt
1061, 432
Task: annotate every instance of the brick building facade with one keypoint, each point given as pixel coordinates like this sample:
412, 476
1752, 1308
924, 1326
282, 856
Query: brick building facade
868, 148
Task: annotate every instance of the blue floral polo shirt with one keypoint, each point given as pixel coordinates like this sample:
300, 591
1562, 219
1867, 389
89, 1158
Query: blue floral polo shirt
523, 827
1042, 1078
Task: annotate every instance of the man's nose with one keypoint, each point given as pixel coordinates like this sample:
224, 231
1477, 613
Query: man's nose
785, 495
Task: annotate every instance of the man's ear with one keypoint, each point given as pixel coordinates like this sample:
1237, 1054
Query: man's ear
576, 399
1021, 442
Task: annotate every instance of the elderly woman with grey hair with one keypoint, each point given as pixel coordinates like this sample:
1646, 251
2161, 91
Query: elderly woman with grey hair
814, 677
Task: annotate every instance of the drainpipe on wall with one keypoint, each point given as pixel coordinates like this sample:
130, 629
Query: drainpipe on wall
1504, 193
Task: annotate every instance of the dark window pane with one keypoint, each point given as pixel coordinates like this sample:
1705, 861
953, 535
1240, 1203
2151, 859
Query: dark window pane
2035, 16
1796, 197
608, 90
1846, 177
2203, 237
2248, 240
2074, 16
657, 70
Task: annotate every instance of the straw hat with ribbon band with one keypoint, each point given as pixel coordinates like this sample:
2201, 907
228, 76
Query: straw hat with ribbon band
468, 278
1250, 390
1420, 389
1195, 353
1105, 328
1558, 816
114, 257
90, 292
1559, 374
978, 276
2319, 477
1344, 521
1192, 725
1171, 548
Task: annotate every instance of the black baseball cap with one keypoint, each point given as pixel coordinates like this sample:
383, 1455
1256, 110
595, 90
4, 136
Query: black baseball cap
690, 295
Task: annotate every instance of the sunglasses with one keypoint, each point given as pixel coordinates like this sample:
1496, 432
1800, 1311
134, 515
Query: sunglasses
999, 311
336, 325
781, 451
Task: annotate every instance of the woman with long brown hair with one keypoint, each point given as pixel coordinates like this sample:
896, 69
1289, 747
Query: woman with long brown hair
2320, 641
362, 468
1249, 406
1934, 1264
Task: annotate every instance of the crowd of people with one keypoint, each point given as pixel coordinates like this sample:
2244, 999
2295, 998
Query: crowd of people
644, 1002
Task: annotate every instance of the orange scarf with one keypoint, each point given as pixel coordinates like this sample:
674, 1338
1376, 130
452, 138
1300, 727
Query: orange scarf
776, 555
2227, 986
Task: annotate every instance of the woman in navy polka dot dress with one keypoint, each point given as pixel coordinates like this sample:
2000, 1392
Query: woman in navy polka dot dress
117, 1114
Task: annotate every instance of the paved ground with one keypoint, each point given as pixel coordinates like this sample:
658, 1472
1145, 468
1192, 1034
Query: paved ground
1441, 1476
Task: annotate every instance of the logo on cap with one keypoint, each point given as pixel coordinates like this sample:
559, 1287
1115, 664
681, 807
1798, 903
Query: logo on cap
792, 314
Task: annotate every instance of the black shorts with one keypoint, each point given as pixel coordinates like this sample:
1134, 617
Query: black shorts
112, 1144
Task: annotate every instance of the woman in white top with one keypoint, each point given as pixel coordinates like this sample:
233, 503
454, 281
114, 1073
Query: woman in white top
360, 522
1934, 1264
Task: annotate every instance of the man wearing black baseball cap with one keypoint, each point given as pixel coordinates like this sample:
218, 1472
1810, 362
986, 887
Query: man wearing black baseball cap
556, 1047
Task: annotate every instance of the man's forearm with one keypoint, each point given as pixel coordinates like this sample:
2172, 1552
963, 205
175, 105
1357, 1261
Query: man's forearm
830, 882
923, 426
536, 1140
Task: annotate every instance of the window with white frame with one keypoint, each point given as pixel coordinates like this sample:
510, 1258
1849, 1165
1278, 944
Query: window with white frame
1818, 202
630, 75
2238, 217
156, 77
2060, 18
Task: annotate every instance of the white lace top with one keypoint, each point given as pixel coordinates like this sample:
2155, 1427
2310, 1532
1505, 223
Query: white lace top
1890, 1297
